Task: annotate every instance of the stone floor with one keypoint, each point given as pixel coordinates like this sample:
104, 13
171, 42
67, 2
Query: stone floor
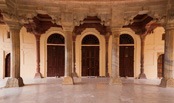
87, 90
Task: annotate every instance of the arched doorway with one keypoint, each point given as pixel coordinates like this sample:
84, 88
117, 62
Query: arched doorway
161, 66
55, 55
7, 65
126, 56
90, 56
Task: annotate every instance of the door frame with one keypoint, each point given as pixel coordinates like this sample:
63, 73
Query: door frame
102, 51
44, 39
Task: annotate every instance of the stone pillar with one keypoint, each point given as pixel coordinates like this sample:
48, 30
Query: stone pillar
16, 80
37, 74
168, 80
68, 58
115, 78
142, 74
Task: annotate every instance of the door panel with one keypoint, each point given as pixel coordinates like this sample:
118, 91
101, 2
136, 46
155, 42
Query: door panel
56, 61
90, 60
126, 62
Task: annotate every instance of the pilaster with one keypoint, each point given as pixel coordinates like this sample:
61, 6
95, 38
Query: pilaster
115, 78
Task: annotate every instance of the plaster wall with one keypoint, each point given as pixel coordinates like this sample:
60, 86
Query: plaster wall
28, 54
154, 46
5, 48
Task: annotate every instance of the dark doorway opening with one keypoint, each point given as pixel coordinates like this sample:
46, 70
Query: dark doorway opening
161, 66
7, 65
55, 56
126, 56
90, 56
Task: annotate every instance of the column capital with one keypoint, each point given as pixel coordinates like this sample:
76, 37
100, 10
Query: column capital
170, 26
115, 29
14, 25
68, 28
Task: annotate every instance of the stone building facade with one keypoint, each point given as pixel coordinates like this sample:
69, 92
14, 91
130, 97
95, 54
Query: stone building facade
66, 38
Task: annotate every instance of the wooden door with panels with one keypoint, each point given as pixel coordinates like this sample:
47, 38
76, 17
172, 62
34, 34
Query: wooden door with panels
90, 56
55, 56
126, 56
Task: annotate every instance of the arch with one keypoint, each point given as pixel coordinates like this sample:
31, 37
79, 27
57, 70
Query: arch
160, 64
44, 38
7, 65
78, 50
55, 39
90, 40
126, 39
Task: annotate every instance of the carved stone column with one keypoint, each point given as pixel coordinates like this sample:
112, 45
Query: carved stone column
142, 74
37, 74
115, 78
16, 80
168, 80
68, 59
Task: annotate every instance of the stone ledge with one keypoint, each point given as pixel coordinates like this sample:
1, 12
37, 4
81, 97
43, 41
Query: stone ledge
167, 83
68, 80
14, 82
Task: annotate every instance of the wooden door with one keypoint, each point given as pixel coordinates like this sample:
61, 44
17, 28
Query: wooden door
56, 61
161, 66
7, 65
90, 60
126, 62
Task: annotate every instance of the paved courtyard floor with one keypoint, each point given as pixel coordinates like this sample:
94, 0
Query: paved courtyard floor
87, 90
